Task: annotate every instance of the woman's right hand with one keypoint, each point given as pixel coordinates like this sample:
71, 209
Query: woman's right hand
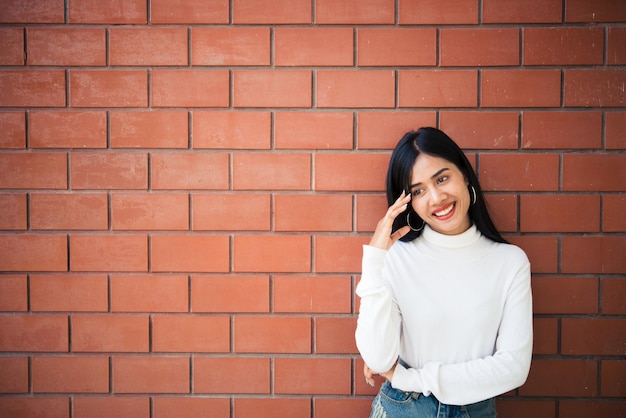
383, 238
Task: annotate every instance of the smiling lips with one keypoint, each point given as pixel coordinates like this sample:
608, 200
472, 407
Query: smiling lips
446, 212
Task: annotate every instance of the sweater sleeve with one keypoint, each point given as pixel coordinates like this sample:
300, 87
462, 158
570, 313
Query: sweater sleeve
480, 379
379, 323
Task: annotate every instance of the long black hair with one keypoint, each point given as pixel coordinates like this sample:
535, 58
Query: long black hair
436, 143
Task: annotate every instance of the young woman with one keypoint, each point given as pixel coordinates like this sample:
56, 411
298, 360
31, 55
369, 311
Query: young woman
446, 309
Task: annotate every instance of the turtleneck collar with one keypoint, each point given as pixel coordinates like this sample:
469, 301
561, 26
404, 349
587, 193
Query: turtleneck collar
451, 241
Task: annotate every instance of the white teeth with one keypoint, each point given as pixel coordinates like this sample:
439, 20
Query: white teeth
444, 212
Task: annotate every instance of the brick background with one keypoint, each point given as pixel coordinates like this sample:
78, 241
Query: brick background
185, 187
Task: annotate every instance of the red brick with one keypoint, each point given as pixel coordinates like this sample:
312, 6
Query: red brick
615, 127
230, 375
438, 12
593, 336
272, 407
33, 253
602, 254
70, 374
594, 172
273, 12
361, 12
108, 253
189, 253
563, 46
189, 11
62, 293
339, 253
561, 130
68, 211
590, 408
228, 130
466, 47
272, 88
32, 88
230, 46
106, 333
520, 408
542, 250
276, 171
14, 375
190, 88
342, 407
153, 374
232, 294
41, 170
182, 334
276, 253
12, 46
594, 88
41, 406
519, 172
13, 127
149, 293
110, 170
340, 172
438, 88
355, 88
231, 212
13, 293
108, 11
199, 171
370, 208
562, 378
513, 11
484, 129
331, 376
397, 47
154, 211
272, 334
559, 213
145, 46
32, 11
613, 296
521, 88
313, 212
383, 130
565, 295
165, 407
103, 407
13, 212
595, 11
335, 335
63, 46
615, 46
322, 130
313, 46
149, 129
545, 335
613, 382
503, 209
312, 294
71, 129
108, 88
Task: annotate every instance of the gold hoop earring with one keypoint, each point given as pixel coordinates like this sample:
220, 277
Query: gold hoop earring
472, 194
409, 223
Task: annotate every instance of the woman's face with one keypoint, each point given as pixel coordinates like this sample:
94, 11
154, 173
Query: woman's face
439, 194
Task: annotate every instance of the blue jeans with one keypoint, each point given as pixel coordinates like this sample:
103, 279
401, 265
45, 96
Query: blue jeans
394, 403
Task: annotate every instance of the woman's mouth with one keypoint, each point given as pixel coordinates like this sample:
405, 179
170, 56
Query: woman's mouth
445, 212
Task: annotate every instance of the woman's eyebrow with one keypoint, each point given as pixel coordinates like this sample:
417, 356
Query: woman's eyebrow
432, 177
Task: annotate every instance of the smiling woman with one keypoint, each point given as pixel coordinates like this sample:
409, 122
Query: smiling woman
446, 309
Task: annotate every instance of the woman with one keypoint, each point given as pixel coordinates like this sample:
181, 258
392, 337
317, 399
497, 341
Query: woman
446, 309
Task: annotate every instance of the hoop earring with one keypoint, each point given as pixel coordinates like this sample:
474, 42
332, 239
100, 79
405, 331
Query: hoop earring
409, 223
472, 194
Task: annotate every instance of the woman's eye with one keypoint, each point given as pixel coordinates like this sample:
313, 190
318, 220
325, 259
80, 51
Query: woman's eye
442, 179
417, 192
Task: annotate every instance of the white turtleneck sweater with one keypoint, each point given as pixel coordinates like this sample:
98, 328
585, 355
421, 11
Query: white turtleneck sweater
457, 309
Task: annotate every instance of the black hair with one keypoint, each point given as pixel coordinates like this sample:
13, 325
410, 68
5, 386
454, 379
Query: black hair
432, 141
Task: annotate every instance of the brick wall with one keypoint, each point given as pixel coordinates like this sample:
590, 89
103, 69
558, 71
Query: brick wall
185, 186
